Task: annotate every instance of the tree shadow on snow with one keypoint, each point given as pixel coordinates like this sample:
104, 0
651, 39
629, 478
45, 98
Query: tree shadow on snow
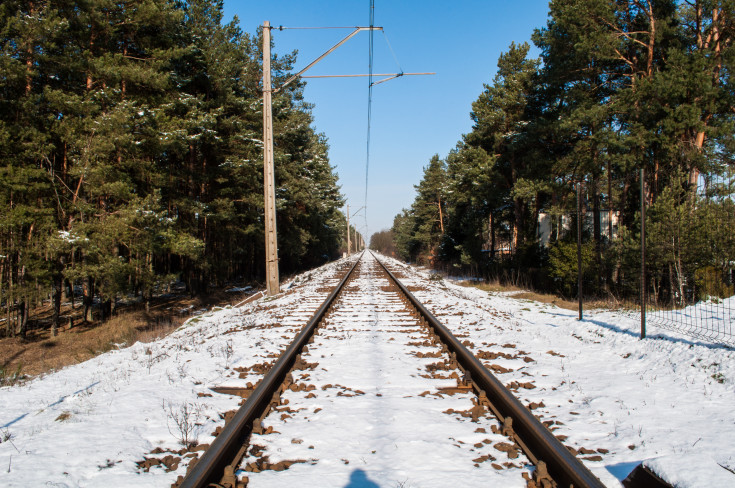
57, 402
658, 335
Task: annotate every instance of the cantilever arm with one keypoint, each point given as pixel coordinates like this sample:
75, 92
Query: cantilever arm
391, 75
349, 36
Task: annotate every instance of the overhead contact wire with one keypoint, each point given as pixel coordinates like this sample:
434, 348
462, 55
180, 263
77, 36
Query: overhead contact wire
370, 103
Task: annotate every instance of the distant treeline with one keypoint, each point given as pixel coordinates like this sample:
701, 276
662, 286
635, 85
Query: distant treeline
620, 86
131, 154
384, 243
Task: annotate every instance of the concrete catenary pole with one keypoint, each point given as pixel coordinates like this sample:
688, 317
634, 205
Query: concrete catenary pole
271, 240
349, 247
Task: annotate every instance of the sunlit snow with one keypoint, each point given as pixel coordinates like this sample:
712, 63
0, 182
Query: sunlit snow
666, 400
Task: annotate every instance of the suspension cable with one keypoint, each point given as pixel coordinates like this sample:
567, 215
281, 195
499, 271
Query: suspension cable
395, 58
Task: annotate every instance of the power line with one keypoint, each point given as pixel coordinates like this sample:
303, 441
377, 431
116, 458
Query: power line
370, 103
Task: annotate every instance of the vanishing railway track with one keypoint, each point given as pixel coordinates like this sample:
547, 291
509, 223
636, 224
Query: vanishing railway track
396, 349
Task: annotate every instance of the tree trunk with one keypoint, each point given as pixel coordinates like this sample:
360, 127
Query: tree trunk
70, 293
517, 223
29, 54
8, 322
88, 299
10, 325
2, 276
679, 278
57, 291
92, 36
24, 310
609, 203
441, 216
106, 310
123, 85
672, 290
492, 236
597, 229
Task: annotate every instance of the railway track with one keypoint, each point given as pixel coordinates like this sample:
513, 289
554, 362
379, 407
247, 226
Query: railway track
375, 380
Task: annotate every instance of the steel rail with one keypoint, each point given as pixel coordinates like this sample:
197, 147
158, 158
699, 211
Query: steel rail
210, 468
562, 465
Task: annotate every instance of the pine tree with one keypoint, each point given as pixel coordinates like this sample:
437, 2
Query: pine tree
403, 232
472, 205
500, 115
27, 30
421, 229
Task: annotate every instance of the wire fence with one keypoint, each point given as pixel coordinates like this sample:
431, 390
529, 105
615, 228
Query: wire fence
690, 261
676, 252
712, 320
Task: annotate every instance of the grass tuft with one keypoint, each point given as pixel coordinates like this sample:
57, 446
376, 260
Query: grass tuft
11, 377
63, 417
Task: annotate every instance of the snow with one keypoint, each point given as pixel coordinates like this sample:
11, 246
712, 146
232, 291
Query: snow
666, 400
639, 399
708, 319
368, 396
69, 237
701, 470
239, 289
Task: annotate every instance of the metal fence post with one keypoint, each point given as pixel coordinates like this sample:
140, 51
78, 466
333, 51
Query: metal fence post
643, 253
579, 246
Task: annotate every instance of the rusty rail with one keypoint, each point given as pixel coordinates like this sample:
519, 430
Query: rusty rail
539, 444
537, 441
210, 469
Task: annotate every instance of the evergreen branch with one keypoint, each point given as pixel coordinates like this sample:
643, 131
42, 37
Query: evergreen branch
126, 56
625, 60
64, 184
627, 35
56, 192
649, 11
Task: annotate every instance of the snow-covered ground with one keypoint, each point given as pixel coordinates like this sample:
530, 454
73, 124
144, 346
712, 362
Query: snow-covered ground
711, 320
379, 404
667, 400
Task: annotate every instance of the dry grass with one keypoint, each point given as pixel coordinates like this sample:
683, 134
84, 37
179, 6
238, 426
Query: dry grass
40, 352
547, 298
560, 302
491, 286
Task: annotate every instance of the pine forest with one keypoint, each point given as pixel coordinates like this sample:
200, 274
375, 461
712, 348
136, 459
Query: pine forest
131, 155
630, 102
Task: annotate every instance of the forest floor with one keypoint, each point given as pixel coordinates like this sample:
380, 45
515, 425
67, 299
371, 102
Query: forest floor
39, 352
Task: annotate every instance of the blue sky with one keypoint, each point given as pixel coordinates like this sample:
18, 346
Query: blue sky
413, 117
